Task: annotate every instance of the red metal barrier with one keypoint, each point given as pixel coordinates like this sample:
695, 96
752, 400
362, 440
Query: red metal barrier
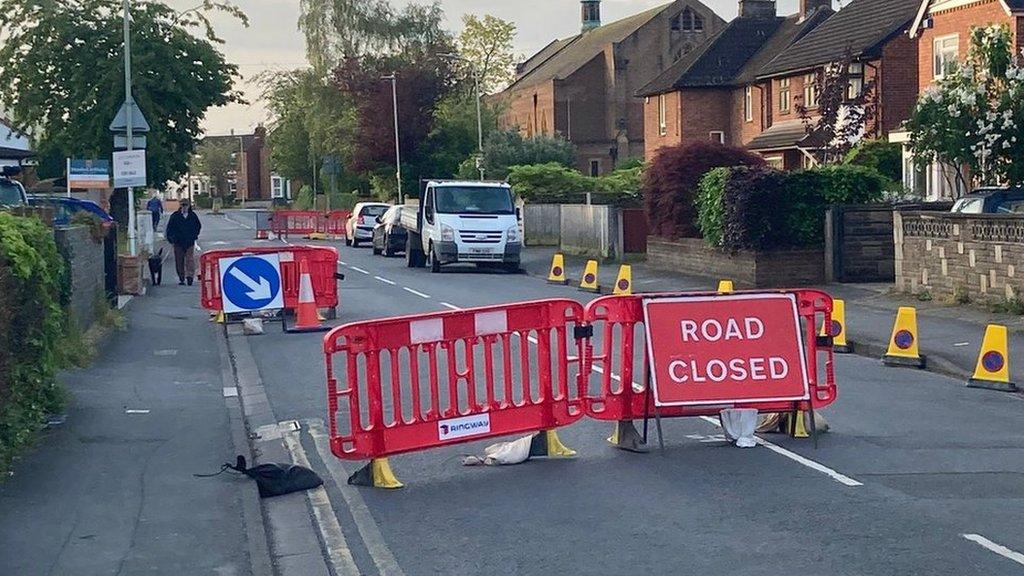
297, 222
621, 393
323, 266
412, 383
333, 223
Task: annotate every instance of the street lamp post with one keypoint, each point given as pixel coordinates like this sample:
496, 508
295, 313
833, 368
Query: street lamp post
479, 112
129, 144
398, 151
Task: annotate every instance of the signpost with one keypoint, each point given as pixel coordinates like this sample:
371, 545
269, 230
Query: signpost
725, 350
88, 174
129, 168
251, 283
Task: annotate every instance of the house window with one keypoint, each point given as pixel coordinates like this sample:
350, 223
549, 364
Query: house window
691, 22
278, 187
662, 122
717, 136
945, 51
811, 90
856, 81
748, 104
595, 168
784, 97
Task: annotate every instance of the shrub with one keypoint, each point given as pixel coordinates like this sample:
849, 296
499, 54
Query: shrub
507, 148
810, 192
671, 181
203, 202
710, 215
555, 183
35, 289
753, 209
886, 158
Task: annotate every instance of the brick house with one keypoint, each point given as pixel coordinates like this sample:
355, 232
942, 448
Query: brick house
583, 87
713, 92
254, 177
875, 34
942, 31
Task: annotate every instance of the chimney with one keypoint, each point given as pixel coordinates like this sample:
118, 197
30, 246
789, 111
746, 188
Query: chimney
591, 14
757, 8
808, 6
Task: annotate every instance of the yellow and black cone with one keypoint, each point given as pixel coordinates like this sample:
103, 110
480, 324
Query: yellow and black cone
376, 474
798, 425
589, 281
557, 274
624, 283
547, 444
726, 287
837, 329
903, 344
626, 437
219, 318
993, 370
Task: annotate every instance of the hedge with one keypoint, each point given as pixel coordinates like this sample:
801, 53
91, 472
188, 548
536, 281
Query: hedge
556, 184
762, 208
35, 290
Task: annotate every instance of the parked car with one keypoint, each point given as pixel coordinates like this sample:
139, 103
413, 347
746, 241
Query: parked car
388, 235
65, 208
992, 201
12, 193
364, 217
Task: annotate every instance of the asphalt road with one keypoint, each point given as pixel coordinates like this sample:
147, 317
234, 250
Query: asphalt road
919, 475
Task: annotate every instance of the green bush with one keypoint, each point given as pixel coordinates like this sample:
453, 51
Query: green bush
886, 158
304, 199
556, 184
35, 289
810, 192
204, 202
754, 210
710, 214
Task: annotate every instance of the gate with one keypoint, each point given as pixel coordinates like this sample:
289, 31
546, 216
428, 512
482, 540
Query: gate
634, 231
406, 384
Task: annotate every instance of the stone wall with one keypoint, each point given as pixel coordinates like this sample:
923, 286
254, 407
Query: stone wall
950, 255
86, 264
775, 269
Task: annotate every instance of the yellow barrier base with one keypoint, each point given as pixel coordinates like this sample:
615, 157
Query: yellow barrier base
842, 348
626, 437
992, 385
376, 474
548, 445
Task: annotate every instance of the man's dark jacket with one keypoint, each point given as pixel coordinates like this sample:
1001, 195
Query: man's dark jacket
183, 230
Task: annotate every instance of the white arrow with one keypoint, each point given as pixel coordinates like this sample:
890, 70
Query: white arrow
257, 290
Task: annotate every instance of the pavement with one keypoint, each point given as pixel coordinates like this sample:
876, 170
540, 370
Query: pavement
918, 475
111, 490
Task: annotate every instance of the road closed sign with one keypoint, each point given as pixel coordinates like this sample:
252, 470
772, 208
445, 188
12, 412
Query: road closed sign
725, 349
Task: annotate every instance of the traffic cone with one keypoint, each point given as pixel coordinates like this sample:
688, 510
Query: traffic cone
624, 283
307, 319
903, 345
798, 424
625, 437
376, 474
726, 287
837, 330
589, 281
557, 275
993, 370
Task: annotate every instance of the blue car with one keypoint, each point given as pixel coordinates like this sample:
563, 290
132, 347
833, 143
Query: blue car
66, 208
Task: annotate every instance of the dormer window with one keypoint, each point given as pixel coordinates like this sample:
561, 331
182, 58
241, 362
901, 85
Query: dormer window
689, 21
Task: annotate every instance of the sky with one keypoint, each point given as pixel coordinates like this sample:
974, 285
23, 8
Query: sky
273, 41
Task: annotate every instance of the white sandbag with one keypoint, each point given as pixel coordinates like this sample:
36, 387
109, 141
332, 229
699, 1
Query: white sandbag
252, 326
739, 426
503, 453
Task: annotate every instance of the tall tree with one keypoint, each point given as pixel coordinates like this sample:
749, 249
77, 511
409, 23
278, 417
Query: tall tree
843, 114
65, 60
216, 160
487, 43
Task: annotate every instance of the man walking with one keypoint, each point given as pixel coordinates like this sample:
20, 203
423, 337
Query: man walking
183, 229
156, 209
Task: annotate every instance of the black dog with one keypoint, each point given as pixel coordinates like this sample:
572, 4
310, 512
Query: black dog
156, 267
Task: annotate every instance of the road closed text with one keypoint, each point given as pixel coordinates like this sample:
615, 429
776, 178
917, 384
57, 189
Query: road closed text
725, 349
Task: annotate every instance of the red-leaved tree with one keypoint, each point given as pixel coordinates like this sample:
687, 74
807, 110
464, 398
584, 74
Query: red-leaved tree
670, 184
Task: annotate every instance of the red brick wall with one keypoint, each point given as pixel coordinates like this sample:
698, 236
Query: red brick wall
653, 139
742, 132
529, 109
897, 82
959, 21
704, 111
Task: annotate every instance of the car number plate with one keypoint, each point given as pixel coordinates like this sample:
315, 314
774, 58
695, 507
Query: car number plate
480, 250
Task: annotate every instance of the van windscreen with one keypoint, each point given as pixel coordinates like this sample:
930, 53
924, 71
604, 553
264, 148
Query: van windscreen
474, 200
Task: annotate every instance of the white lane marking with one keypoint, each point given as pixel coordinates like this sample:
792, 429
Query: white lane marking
384, 280
368, 529
450, 306
360, 270
416, 292
343, 263
338, 553
997, 548
841, 478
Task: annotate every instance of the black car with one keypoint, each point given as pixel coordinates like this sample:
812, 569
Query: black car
11, 191
388, 235
992, 201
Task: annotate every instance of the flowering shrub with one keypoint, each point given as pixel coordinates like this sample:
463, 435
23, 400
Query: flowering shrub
973, 118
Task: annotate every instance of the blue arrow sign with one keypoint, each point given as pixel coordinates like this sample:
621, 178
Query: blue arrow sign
251, 283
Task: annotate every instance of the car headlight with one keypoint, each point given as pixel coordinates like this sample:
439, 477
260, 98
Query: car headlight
513, 234
447, 234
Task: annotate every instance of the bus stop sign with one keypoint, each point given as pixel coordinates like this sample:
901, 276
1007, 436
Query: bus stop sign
725, 349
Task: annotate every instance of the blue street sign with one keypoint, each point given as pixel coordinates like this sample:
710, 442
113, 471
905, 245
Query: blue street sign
251, 283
